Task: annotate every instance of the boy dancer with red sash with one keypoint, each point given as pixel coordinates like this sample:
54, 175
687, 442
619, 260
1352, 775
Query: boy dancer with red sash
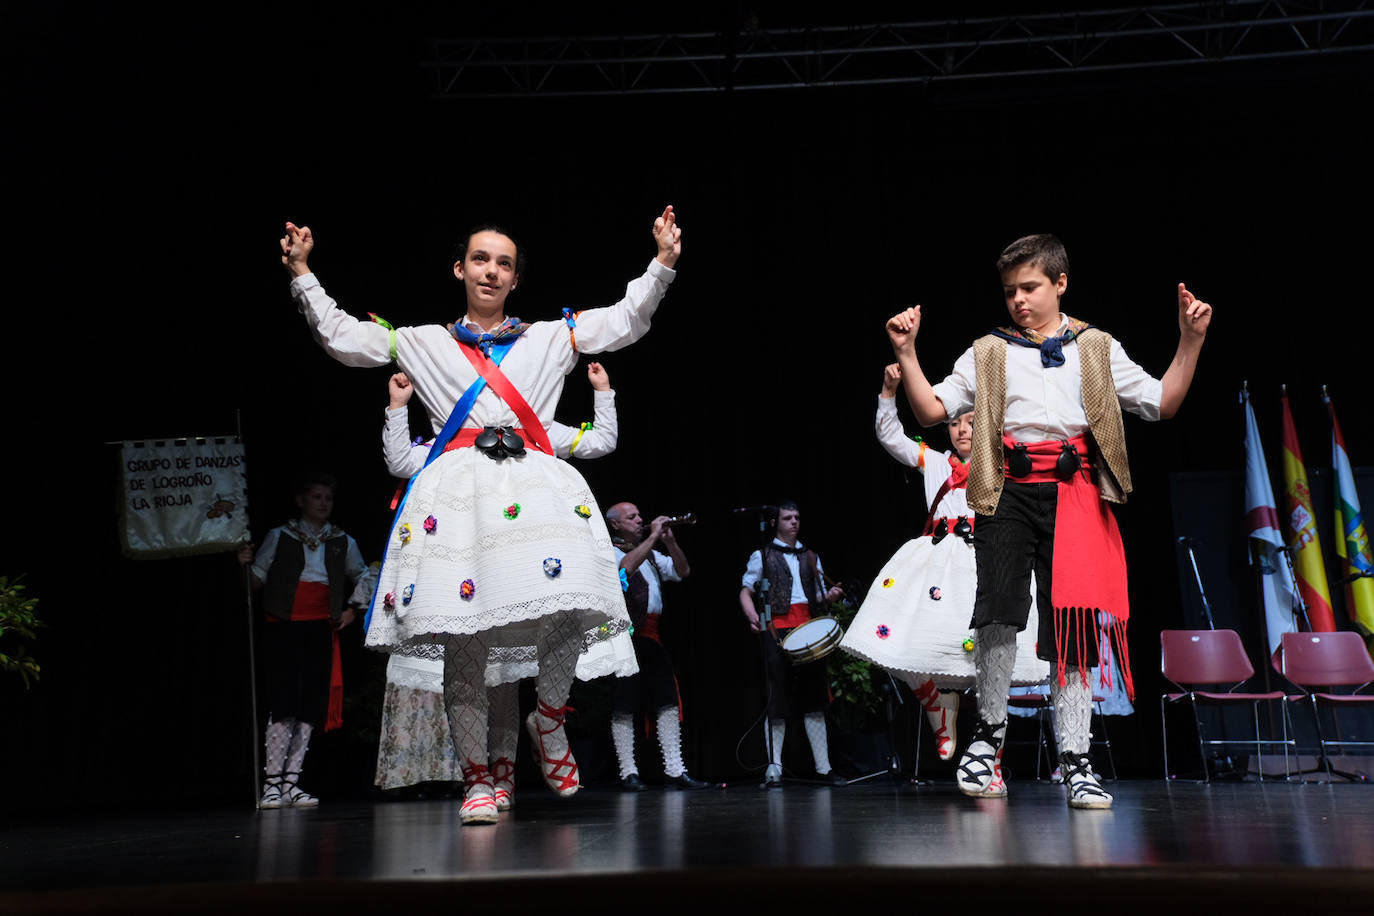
1048, 453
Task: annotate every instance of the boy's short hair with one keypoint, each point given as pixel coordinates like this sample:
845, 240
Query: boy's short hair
460, 248
308, 480
1043, 250
790, 504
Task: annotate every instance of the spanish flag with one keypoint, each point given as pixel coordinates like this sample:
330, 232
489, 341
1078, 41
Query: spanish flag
1352, 544
1305, 546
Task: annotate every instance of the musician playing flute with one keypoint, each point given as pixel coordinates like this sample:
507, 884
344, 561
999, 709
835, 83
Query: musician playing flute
797, 594
653, 691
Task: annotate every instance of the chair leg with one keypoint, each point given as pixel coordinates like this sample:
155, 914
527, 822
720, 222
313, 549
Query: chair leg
1201, 743
1259, 748
1287, 730
1164, 736
920, 729
1321, 736
1039, 740
1106, 739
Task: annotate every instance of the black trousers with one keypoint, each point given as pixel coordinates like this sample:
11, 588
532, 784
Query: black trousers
298, 656
1009, 545
654, 687
808, 686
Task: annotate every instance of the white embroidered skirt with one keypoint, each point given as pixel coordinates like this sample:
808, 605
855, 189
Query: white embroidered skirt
505, 547
915, 618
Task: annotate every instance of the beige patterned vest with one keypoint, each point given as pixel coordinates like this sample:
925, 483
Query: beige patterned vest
990, 406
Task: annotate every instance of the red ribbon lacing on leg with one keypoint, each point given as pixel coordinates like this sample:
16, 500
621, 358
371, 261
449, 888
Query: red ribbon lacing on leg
477, 774
929, 697
553, 765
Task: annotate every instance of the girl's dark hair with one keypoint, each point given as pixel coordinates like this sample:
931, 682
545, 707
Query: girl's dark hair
460, 250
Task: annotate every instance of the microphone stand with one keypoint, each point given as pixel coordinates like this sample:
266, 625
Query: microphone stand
1187, 543
763, 604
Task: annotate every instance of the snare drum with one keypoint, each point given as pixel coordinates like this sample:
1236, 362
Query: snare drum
813, 640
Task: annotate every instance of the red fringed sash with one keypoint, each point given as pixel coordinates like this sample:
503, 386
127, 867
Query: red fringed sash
1089, 570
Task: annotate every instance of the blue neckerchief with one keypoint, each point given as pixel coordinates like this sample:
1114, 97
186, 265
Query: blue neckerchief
497, 352
507, 330
1051, 348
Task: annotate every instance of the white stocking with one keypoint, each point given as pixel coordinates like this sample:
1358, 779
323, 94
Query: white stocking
300, 743
994, 656
820, 746
503, 721
623, 737
465, 698
278, 742
1073, 709
670, 741
778, 728
560, 644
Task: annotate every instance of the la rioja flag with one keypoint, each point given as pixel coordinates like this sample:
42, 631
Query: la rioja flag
1352, 544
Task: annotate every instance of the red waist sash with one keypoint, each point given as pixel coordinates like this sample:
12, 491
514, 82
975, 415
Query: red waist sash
1088, 574
796, 615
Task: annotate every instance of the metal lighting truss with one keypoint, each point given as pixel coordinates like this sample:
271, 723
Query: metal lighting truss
751, 58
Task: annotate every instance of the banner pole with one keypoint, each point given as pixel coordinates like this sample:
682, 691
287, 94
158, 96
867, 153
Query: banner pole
254, 731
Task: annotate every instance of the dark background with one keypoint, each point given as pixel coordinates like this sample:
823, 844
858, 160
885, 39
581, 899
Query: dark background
155, 153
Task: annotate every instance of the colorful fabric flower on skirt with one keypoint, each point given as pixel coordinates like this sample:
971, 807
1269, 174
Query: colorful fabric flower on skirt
431, 523
389, 601
603, 631
467, 589
968, 644
407, 593
883, 632
552, 567
888, 582
512, 510
583, 510
935, 593
403, 533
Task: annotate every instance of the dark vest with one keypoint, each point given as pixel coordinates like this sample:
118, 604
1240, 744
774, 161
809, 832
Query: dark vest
637, 595
279, 591
780, 578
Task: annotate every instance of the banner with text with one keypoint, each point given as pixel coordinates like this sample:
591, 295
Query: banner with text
181, 497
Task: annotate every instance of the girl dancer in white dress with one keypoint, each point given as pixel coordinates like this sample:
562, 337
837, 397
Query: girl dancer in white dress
498, 544
915, 619
415, 742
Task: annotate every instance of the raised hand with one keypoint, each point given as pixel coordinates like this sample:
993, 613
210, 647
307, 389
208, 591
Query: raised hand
902, 328
596, 374
892, 378
1194, 315
296, 246
400, 390
668, 237
657, 528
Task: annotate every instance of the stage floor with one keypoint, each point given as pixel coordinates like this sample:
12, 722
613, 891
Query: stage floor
1270, 844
